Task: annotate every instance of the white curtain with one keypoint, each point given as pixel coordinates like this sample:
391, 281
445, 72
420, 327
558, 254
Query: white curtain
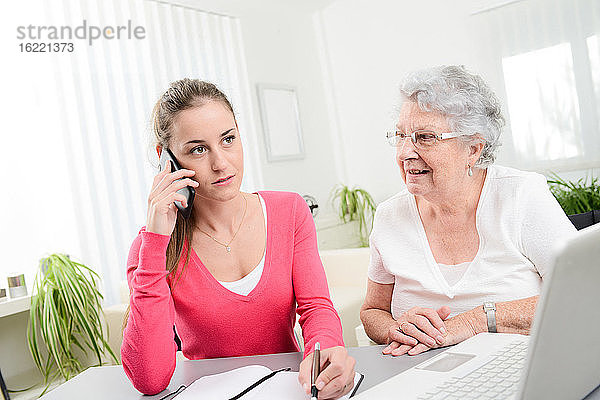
548, 52
101, 97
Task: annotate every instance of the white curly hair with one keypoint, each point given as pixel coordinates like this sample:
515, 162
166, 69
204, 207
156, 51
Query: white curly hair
466, 101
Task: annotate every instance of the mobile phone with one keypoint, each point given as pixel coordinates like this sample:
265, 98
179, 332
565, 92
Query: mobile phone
188, 191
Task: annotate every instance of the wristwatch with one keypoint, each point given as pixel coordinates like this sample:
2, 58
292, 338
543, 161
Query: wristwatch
490, 312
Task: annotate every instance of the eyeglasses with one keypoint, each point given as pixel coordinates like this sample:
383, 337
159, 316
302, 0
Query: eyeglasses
422, 139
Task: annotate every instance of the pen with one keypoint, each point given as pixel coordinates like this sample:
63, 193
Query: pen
316, 370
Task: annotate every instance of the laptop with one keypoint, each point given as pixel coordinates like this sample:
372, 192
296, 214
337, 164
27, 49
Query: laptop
560, 360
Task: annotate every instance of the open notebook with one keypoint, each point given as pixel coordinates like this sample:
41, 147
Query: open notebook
228, 385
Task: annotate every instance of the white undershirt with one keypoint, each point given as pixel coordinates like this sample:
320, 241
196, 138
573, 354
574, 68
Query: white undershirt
453, 273
246, 284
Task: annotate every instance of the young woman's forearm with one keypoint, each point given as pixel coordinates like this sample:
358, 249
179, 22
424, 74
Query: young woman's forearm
319, 320
148, 348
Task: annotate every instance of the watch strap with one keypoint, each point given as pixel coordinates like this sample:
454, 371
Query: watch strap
490, 312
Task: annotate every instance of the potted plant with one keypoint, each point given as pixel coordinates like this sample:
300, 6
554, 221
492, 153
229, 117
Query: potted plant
576, 197
65, 313
355, 205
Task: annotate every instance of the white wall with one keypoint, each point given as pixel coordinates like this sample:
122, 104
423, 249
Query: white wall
283, 51
281, 48
371, 45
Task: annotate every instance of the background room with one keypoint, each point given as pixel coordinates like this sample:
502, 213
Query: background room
78, 166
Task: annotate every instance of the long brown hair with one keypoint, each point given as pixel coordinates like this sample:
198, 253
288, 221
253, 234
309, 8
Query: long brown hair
181, 95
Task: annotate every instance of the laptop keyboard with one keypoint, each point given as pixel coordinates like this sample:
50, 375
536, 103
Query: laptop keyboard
497, 379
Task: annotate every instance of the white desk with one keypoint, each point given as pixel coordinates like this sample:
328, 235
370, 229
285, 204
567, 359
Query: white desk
112, 383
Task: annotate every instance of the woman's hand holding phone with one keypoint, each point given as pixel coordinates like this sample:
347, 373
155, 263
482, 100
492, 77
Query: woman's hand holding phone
162, 212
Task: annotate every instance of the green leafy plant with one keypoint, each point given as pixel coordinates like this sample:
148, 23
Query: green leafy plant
576, 197
65, 313
355, 204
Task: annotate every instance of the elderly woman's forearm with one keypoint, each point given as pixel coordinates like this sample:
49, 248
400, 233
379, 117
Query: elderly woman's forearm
377, 324
514, 316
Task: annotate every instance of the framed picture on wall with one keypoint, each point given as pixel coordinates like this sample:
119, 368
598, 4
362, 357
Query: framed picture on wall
281, 122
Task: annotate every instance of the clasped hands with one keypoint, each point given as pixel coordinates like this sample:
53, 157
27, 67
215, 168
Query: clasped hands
420, 329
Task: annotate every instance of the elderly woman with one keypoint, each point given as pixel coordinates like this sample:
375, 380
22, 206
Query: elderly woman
464, 248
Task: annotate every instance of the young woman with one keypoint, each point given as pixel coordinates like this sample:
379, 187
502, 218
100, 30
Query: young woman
232, 277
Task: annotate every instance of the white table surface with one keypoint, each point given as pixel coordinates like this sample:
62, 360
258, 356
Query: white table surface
112, 383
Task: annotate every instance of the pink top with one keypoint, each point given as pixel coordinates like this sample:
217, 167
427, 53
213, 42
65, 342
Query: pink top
214, 322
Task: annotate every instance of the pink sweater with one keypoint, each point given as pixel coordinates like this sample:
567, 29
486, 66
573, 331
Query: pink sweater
212, 321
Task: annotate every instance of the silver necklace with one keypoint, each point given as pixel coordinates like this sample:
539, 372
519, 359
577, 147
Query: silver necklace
227, 245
